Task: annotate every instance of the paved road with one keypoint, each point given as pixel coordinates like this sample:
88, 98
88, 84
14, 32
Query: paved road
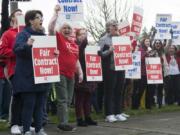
156, 124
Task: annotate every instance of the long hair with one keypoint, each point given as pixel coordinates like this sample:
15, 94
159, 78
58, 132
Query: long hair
159, 51
142, 42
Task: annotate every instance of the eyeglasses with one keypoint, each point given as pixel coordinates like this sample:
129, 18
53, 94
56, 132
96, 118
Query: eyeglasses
39, 17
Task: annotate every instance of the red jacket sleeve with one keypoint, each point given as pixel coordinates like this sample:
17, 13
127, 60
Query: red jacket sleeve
5, 47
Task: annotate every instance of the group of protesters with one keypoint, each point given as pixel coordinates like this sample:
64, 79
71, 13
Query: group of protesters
24, 102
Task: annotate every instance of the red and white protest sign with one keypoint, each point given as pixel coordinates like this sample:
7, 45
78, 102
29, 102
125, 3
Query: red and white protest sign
137, 20
21, 22
45, 63
124, 28
93, 64
154, 71
122, 52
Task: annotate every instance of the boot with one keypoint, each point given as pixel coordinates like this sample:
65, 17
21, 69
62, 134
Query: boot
81, 123
89, 121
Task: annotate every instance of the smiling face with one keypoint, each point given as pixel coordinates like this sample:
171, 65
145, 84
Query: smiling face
66, 30
36, 23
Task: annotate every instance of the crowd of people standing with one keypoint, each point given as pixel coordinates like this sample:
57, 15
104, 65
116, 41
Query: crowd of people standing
24, 102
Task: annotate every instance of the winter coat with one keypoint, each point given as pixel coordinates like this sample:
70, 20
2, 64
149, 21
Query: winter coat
23, 80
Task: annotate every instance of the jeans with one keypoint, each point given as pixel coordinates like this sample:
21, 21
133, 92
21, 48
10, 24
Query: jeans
16, 110
33, 102
82, 104
173, 91
64, 91
5, 95
114, 84
139, 87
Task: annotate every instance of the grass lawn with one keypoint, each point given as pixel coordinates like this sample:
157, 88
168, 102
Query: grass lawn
3, 126
131, 112
72, 118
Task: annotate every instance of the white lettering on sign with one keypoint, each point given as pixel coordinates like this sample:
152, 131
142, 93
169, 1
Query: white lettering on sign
137, 28
153, 72
154, 77
44, 52
122, 55
46, 71
122, 48
153, 67
43, 62
123, 61
93, 72
92, 58
93, 65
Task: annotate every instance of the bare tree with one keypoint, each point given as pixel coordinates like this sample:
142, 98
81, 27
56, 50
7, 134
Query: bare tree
101, 11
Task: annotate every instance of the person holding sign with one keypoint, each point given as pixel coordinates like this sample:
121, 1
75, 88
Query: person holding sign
141, 84
173, 60
158, 51
69, 64
113, 80
83, 91
33, 95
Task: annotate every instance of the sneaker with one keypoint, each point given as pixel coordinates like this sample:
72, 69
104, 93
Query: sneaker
41, 132
66, 127
27, 133
32, 129
111, 118
119, 117
15, 129
125, 115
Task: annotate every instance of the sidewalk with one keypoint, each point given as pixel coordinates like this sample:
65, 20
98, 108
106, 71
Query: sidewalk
156, 124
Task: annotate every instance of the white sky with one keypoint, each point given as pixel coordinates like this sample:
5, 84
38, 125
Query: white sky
151, 8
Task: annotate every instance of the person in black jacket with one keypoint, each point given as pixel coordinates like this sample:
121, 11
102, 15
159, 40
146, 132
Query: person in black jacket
83, 91
113, 80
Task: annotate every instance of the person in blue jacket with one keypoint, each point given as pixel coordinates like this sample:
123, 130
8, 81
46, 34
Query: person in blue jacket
33, 95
